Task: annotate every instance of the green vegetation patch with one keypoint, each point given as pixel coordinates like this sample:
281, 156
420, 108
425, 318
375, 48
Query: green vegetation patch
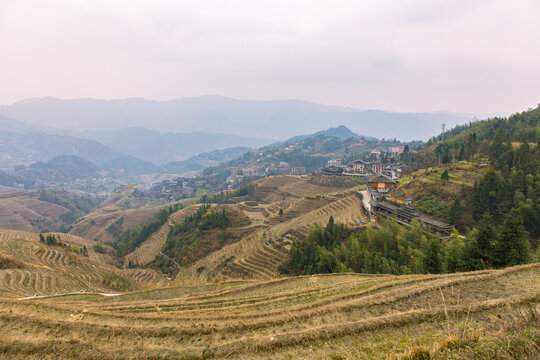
199, 234
129, 240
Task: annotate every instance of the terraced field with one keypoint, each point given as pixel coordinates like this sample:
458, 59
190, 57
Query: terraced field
24, 211
35, 268
94, 225
277, 188
339, 316
259, 255
150, 248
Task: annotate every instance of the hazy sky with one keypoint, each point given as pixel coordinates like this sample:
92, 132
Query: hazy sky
418, 55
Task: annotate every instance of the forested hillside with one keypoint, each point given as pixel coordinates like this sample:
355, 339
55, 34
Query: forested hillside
496, 208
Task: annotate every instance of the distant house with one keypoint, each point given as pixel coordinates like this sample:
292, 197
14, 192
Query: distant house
395, 150
298, 170
283, 165
359, 166
378, 168
332, 170
376, 153
379, 184
335, 163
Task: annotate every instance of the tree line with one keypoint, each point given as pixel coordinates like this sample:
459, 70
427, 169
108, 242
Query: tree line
183, 236
53, 240
130, 239
396, 249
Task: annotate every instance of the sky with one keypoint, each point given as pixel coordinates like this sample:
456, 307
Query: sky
473, 56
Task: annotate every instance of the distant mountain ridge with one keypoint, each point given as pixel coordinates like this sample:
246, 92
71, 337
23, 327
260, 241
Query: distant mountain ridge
341, 132
25, 148
276, 120
162, 148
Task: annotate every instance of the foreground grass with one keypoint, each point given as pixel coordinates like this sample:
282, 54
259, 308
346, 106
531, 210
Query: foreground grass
479, 315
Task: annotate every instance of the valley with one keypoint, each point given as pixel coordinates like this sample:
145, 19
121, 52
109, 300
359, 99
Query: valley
251, 262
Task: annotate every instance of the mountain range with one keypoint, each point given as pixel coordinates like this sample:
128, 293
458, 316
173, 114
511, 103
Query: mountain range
275, 120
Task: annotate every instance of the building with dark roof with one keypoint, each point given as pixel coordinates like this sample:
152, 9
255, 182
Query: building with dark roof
379, 184
406, 214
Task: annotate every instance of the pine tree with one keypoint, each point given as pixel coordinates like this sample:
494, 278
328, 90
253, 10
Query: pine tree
455, 212
512, 247
497, 146
453, 254
445, 176
432, 261
486, 238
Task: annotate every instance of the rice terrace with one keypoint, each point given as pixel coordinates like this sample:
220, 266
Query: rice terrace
243, 180
233, 300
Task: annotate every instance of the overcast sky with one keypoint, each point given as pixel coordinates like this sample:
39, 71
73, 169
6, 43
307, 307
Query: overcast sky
419, 55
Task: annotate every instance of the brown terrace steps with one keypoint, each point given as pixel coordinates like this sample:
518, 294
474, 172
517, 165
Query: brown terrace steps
298, 208
149, 249
264, 260
42, 269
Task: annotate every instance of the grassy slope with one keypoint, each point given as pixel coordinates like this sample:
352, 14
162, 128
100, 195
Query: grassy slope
41, 269
24, 211
258, 255
339, 316
94, 225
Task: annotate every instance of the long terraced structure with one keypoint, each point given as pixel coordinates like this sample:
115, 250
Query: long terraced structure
233, 303
345, 316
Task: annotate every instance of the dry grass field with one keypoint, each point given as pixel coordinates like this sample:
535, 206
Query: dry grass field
275, 188
479, 315
24, 211
31, 267
429, 181
258, 255
94, 225
232, 303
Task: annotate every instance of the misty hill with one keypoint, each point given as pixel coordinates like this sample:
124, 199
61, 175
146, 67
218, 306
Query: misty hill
202, 161
341, 132
12, 125
215, 114
63, 168
309, 151
69, 172
129, 166
161, 148
25, 148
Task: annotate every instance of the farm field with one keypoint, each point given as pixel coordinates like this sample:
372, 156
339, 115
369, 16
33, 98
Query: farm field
340, 316
29, 267
24, 211
231, 302
463, 173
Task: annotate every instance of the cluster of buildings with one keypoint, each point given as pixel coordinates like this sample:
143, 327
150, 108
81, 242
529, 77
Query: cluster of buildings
92, 185
172, 190
378, 186
362, 168
283, 168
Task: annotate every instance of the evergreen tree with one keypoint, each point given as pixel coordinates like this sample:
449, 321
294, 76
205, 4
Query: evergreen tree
512, 246
453, 253
486, 238
497, 146
432, 261
445, 176
455, 212
461, 154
